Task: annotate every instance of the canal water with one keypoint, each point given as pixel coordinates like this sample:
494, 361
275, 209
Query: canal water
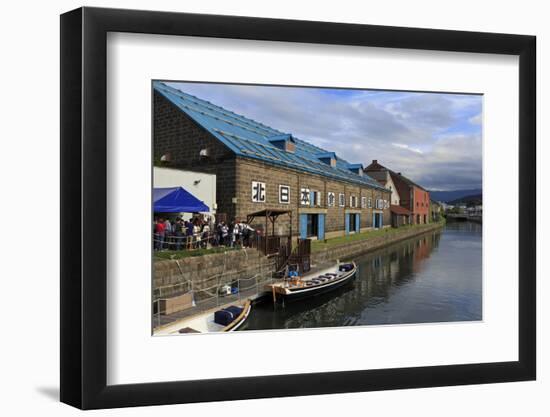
435, 277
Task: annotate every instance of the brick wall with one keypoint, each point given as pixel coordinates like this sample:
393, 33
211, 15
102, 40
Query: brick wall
179, 136
249, 170
176, 134
421, 206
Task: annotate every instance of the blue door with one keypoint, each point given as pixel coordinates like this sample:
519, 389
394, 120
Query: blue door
381, 217
347, 224
377, 220
357, 223
321, 227
303, 226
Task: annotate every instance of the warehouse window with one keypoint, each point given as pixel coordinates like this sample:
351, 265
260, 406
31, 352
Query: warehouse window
363, 202
352, 201
342, 200
331, 199
315, 198
369, 204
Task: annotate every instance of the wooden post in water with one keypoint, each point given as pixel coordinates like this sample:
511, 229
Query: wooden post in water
274, 295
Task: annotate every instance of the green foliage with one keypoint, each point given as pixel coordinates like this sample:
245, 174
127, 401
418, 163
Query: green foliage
319, 245
173, 254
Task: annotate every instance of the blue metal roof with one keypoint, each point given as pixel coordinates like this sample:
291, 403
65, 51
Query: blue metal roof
250, 139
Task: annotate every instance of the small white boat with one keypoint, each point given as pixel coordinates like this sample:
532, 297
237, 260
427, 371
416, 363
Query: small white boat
314, 283
222, 319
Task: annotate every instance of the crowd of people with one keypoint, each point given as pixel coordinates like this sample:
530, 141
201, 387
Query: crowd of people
199, 232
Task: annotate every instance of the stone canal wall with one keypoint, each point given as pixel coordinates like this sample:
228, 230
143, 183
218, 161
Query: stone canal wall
172, 278
349, 250
200, 272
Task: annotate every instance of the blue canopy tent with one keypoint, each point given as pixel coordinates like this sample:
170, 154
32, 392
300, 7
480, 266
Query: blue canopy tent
176, 200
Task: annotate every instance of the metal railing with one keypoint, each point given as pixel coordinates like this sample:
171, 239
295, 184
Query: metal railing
220, 289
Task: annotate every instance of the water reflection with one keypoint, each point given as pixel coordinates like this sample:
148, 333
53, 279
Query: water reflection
432, 278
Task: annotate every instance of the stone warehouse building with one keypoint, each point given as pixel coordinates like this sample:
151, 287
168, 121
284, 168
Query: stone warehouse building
258, 168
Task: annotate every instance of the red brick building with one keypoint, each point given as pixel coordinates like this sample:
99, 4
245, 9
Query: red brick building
412, 196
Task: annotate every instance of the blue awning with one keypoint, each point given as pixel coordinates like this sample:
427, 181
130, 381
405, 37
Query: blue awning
176, 200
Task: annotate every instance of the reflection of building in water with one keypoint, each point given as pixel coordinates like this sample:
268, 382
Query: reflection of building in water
379, 274
395, 266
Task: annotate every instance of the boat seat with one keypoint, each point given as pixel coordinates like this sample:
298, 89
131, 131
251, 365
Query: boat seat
227, 315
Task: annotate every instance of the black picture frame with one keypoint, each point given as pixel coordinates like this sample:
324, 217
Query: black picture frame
84, 207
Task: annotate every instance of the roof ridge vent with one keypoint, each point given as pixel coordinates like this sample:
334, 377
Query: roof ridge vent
328, 158
286, 142
356, 168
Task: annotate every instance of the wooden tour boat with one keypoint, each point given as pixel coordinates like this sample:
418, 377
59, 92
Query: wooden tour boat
221, 319
315, 283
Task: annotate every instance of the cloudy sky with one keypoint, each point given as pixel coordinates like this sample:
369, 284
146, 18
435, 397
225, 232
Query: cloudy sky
434, 139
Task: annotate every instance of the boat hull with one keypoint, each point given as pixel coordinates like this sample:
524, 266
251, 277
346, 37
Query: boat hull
301, 293
239, 321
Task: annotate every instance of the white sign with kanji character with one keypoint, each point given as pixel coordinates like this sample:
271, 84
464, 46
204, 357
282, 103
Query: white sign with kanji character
258, 192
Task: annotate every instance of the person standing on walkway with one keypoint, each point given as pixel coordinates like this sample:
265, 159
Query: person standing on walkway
205, 235
159, 233
189, 234
225, 234
196, 234
168, 234
178, 233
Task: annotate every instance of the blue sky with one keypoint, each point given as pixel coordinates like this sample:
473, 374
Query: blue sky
434, 139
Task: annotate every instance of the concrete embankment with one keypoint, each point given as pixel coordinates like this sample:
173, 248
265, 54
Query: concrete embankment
171, 277
360, 247
201, 273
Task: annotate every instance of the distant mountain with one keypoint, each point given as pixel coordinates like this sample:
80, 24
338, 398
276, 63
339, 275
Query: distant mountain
469, 200
448, 196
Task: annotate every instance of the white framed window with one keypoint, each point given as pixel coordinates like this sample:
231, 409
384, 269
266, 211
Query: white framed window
331, 199
314, 197
363, 202
352, 201
318, 198
284, 194
369, 204
304, 197
342, 200
258, 192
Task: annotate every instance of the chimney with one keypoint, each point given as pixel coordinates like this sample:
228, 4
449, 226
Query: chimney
399, 173
375, 161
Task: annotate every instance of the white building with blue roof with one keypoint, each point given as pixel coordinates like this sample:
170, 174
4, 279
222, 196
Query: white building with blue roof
258, 167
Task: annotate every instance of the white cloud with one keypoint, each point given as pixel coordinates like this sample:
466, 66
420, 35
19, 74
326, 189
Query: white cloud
432, 138
404, 146
475, 120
